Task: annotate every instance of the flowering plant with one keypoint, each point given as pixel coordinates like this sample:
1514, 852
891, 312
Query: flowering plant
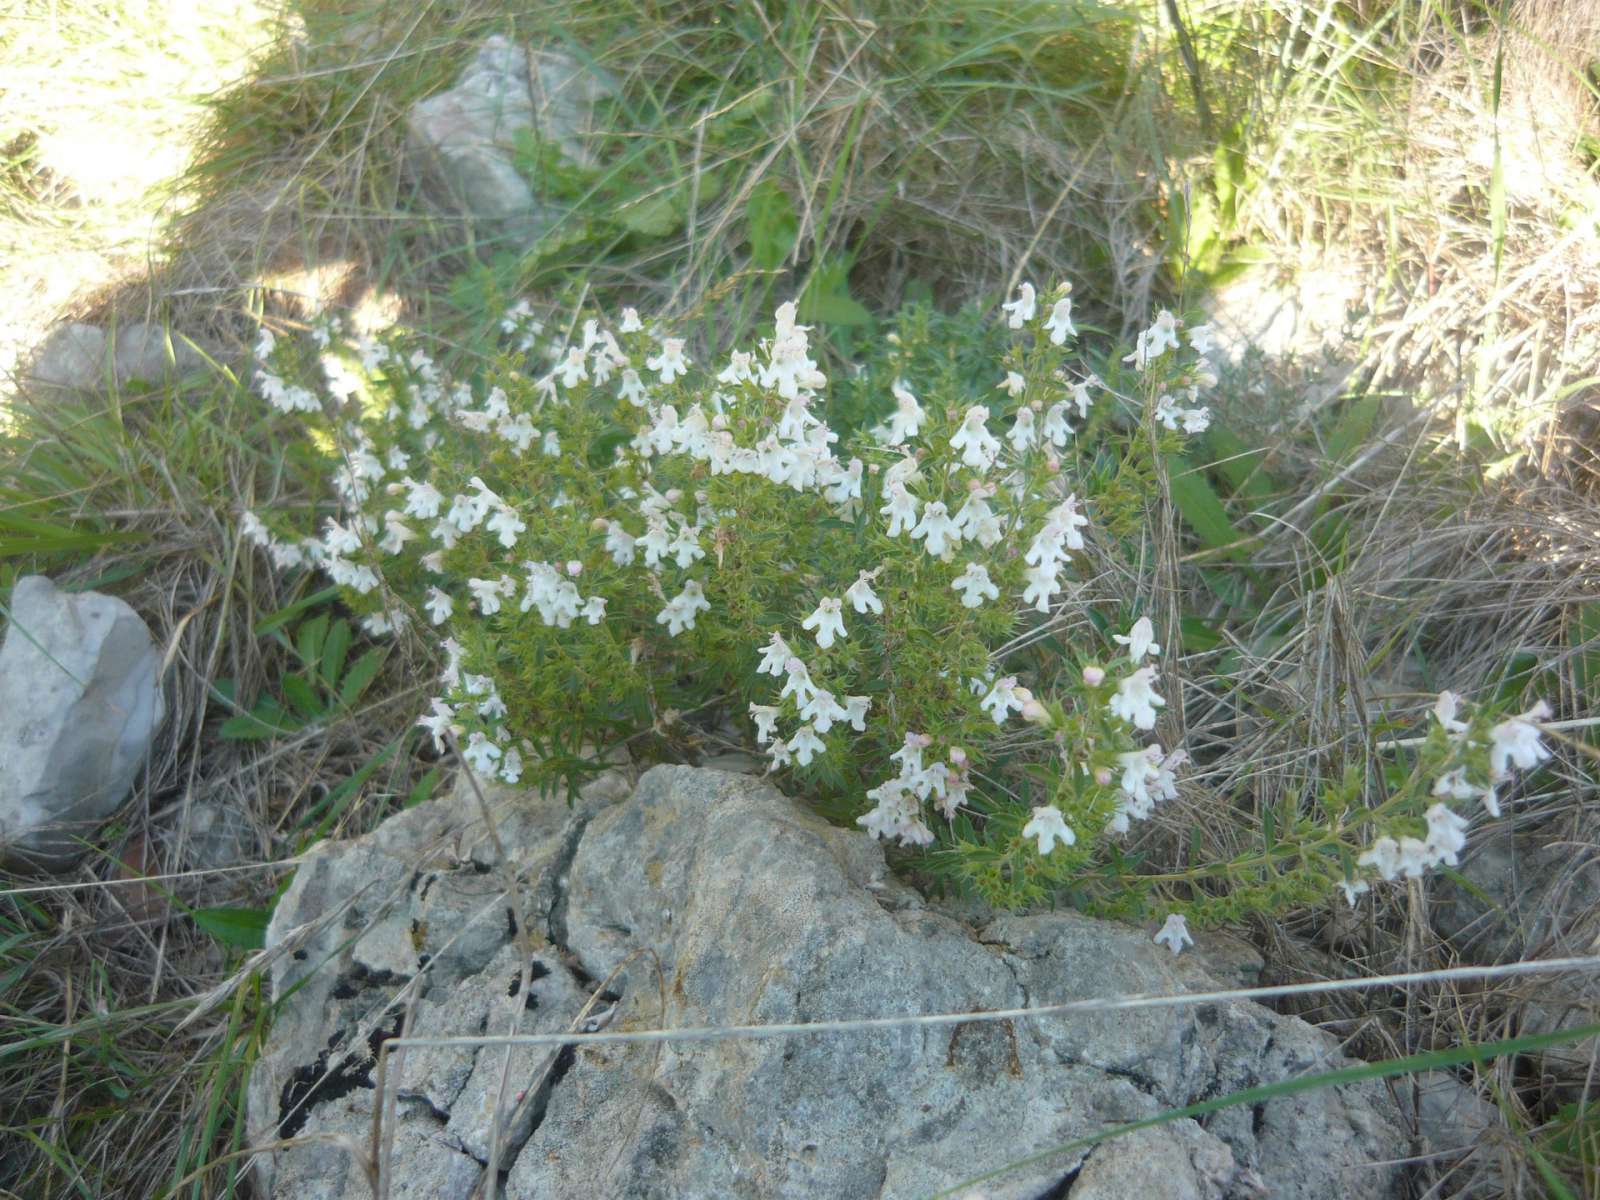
614, 542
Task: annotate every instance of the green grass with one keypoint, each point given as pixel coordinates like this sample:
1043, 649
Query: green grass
1328, 559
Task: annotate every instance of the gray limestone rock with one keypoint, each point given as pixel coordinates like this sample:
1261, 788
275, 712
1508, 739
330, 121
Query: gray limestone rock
80, 690
463, 141
708, 899
149, 353
71, 356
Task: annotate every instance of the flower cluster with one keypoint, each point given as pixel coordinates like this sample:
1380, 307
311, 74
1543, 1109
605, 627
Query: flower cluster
1479, 764
600, 533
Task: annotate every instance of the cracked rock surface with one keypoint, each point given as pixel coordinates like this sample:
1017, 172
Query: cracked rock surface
700, 898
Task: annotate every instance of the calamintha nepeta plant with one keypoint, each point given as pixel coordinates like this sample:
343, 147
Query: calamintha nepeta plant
620, 537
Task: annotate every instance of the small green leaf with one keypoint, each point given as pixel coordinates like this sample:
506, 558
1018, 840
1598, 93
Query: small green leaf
1354, 427
268, 719
243, 928
424, 789
286, 614
1583, 635
655, 216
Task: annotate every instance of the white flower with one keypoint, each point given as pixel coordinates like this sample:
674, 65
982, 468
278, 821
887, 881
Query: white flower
901, 509
1080, 394
738, 369
976, 520
1049, 828
937, 527
1043, 582
1136, 700
1447, 834
1351, 890
632, 388
439, 606
827, 620
572, 368
974, 584
594, 610
1055, 429
511, 766
1004, 696
680, 611
1515, 742
861, 596
481, 754
775, 656
766, 719
1155, 341
1444, 711
488, 594
1175, 933
779, 750
620, 544
1455, 785
670, 363
1013, 384
855, 711
1140, 769
506, 525
805, 745
823, 711
798, 682
685, 548
1383, 857
1141, 640
909, 756
907, 418
630, 321
1024, 434
1060, 324
1023, 309
1203, 338
979, 447
438, 721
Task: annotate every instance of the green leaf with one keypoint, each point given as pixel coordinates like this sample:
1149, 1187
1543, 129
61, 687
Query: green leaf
308, 640
656, 216
334, 651
424, 789
1583, 635
774, 227
243, 928
1355, 426
268, 719
827, 299
1201, 508
360, 676
302, 697
286, 614
1240, 465
1198, 635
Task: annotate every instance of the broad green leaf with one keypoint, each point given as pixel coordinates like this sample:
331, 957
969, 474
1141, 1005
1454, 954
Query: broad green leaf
308, 640
268, 719
302, 697
334, 651
1199, 506
655, 216
1240, 465
1354, 427
827, 298
773, 225
360, 676
423, 791
244, 928
1583, 635
289, 612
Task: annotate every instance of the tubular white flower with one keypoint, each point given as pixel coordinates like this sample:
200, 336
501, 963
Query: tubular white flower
974, 585
978, 446
775, 656
806, 745
439, 606
1175, 933
1002, 698
1140, 641
679, 614
670, 363
861, 596
1516, 742
1136, 700
937, 527
901, 509
1059, 325
766, 718
1048, 826
1023, 309
827, 620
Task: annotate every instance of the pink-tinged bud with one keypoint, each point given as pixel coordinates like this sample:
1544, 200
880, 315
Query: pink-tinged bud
1102, 776
1094, 676
1021, 693
958, 756
1053, 463
1035, 712
599, 525
874, 468
574, 567
674, 495
974, 485
719, 422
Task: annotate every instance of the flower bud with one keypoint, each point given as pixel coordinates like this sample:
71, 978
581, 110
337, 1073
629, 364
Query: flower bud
1094, 676
958, 756
1102, 776
574, 568
599, 525
1034, 712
